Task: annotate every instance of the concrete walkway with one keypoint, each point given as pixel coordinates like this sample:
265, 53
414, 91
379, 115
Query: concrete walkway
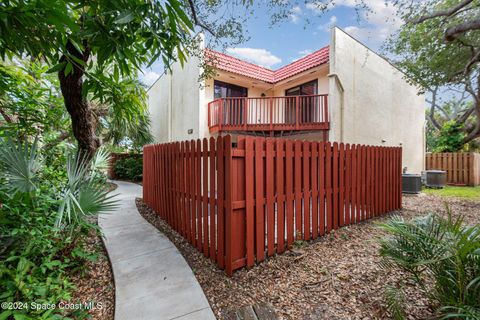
152, 279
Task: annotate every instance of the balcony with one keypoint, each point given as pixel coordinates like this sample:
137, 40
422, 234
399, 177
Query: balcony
269, 114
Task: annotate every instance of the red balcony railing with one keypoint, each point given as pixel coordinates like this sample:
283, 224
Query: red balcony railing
269, 113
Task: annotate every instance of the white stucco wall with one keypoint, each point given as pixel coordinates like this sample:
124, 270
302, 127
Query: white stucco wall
158, 105
376, 106
174, 102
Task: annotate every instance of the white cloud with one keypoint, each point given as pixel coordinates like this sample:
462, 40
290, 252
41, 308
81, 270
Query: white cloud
331, 23
378, 21
302, 53
295, 14
149, 77
260, 57
305, 52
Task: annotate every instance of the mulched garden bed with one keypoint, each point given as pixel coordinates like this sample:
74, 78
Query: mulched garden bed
335, 277
95, 283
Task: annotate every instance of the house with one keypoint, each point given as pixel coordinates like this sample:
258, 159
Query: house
343, 92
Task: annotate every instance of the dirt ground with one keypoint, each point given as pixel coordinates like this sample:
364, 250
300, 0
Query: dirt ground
334, 277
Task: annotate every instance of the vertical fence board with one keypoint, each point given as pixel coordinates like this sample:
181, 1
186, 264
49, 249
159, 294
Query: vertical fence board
298, 190
269, 196
335, 175
212, 200
280, 188
198, 183
249, 201
341, 184
314, 176
259, 201
206, 252
306, 191
321, 188
289, 188
220, 200
328, 186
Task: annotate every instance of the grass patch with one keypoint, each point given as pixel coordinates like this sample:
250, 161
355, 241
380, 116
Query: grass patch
471, 193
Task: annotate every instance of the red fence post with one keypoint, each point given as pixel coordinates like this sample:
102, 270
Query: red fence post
229, 240
250, 200
220, 203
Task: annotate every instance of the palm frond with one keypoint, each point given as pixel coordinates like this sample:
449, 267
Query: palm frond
442, 249
19, 165
84, 195
395, 300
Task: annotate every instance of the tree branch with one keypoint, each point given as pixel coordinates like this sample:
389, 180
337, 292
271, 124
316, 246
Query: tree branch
63, 136
196, 20
443, 13
475, 58
453, 32
432, 109
5, 116
465, 115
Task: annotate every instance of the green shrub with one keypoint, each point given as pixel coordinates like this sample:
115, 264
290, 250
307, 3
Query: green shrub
129, 168
441, 252
44, 210
450, 138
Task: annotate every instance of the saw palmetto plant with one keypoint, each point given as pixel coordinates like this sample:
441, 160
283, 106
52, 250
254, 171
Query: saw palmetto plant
84, 192
442, 252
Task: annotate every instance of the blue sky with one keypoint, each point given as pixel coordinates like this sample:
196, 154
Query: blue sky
306, 31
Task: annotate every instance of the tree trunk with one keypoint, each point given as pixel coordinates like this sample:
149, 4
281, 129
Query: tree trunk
77, 106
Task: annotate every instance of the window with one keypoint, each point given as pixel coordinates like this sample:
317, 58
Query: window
227, 90
233, 109
308, 108
305, 89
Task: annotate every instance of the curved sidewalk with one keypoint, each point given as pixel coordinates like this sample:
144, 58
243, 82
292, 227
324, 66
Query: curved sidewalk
152, 279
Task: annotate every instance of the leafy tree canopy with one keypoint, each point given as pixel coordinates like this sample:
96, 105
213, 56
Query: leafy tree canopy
439, 46
96, 48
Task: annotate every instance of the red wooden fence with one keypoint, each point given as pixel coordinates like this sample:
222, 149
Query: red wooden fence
240, 202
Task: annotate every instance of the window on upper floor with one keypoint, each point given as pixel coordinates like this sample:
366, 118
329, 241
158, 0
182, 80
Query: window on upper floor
228, 90
305, 89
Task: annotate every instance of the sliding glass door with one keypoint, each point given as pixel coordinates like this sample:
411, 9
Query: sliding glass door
232, 108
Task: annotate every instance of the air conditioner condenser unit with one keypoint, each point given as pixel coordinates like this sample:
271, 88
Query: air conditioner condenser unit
411, 183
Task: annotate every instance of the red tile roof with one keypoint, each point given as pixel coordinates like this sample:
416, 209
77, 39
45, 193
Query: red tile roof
228, 63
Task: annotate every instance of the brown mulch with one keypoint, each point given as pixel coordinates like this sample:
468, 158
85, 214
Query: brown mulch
334, 277
111, 186
95, 283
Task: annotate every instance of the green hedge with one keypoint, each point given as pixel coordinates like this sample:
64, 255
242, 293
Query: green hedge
129, 168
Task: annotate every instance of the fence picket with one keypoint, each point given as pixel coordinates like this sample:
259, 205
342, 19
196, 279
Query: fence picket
269, 154
321, 188
306, 190
212, 198
298, 190
328, 187
314, 177
289, 187
259, 201
220, 199
280, 188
